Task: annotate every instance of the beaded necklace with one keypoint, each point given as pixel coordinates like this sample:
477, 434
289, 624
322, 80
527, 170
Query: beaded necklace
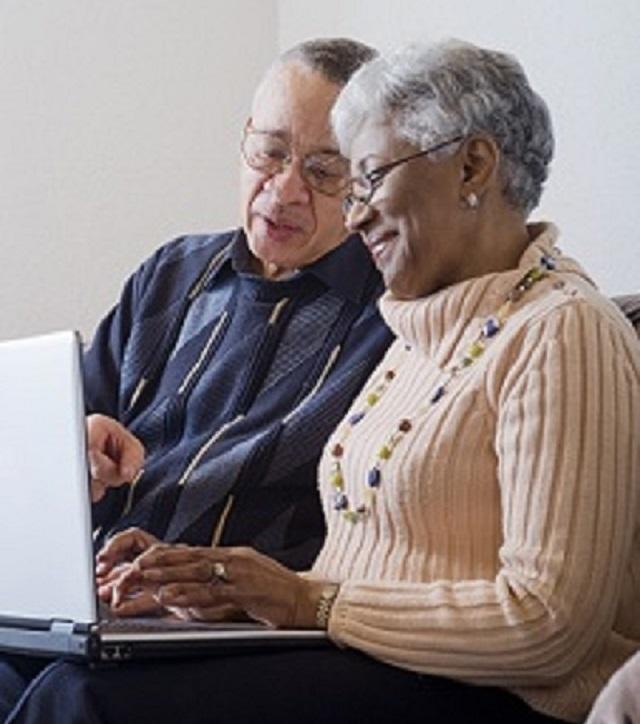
489, 329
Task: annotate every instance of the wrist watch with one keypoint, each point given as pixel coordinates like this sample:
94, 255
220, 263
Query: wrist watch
325, 604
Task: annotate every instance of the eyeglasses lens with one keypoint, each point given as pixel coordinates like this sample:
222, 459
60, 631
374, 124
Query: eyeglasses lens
326, 172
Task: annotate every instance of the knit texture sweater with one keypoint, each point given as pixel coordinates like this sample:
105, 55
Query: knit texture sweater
502, 546
233, 382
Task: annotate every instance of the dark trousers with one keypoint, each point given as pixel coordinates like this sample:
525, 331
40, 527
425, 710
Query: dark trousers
303, 686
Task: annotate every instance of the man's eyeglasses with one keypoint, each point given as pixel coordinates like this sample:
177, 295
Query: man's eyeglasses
362, 188
324, 171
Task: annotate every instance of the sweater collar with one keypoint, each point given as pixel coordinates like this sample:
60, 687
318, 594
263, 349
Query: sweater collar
439, 323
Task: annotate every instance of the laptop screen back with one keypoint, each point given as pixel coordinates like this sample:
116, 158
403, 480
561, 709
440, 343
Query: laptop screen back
46, 560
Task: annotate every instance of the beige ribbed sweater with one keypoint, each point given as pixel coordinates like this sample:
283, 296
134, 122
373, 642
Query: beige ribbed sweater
503, 546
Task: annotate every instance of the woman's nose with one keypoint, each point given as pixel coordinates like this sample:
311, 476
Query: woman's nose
356, 215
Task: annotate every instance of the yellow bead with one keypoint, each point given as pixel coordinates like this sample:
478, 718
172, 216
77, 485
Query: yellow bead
384, 453
372, 398
476, 349
337, 480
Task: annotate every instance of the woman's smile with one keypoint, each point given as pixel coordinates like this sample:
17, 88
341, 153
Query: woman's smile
380, 246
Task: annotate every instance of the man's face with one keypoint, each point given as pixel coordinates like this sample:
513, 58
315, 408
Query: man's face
288, 223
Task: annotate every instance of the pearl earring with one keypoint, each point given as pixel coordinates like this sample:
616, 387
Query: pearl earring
472, 201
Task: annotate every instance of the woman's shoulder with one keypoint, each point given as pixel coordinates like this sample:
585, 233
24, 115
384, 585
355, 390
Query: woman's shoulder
567, 328
572, 302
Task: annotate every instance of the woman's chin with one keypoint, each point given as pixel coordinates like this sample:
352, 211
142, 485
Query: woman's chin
403, 287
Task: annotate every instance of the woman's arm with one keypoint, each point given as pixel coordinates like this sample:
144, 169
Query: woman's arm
201, 583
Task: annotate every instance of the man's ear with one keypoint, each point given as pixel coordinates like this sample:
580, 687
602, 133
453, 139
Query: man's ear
480, 158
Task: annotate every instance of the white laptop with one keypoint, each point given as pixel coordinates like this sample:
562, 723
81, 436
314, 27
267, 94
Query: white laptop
48, 601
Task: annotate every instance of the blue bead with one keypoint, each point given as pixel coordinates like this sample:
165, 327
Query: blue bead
355, 418
491, 327
374, 477
548, 262
340, 501
437, 394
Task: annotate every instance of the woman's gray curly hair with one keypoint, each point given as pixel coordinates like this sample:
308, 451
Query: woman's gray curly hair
431, 92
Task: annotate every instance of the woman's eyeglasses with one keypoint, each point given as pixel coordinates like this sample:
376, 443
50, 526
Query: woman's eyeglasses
362, 188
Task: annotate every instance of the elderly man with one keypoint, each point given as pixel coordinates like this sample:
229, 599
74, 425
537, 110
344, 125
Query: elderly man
230, 357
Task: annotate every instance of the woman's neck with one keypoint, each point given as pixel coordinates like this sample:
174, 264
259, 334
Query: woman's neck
497, 240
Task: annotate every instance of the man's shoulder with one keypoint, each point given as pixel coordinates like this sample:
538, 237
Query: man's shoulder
184, 258
194, 247
178, 265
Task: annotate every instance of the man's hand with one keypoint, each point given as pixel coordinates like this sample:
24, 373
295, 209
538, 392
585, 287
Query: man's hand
115, 455
123, 548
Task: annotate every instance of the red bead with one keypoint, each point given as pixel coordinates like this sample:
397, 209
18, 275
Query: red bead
389, 375
337, 451
405, 425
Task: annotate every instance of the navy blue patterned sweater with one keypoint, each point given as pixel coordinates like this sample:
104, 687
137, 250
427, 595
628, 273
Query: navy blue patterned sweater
233, 383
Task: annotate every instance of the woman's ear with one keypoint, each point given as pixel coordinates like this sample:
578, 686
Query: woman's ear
480, 157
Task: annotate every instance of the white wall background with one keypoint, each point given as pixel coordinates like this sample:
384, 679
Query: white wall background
120, 121
119, 129
583, 57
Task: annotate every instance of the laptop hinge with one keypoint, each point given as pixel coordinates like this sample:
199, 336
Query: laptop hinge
62, 627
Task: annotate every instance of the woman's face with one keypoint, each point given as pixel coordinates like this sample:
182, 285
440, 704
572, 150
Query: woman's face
414, 224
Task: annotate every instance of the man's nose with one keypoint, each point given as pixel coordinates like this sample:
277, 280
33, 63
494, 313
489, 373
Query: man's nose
290, 186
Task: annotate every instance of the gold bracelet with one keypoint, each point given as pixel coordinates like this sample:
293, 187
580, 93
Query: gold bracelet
325, 604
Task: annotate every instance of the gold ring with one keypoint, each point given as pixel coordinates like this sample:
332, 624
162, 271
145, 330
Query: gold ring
219, 571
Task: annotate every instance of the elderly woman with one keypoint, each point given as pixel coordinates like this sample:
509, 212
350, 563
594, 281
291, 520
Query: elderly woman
482, 552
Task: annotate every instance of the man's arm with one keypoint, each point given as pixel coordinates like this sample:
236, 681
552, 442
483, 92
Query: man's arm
115, 455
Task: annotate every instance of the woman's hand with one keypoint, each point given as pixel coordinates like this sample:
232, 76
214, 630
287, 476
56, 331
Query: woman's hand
140, 601
207, 583
115, 560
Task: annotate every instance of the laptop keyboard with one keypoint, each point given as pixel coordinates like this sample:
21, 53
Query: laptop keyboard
151, 625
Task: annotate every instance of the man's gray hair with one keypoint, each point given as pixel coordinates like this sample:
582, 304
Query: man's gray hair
337, 59
431, 92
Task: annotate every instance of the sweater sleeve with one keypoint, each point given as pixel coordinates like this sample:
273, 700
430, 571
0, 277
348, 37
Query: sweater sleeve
102, 361
567, 406
134, 331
